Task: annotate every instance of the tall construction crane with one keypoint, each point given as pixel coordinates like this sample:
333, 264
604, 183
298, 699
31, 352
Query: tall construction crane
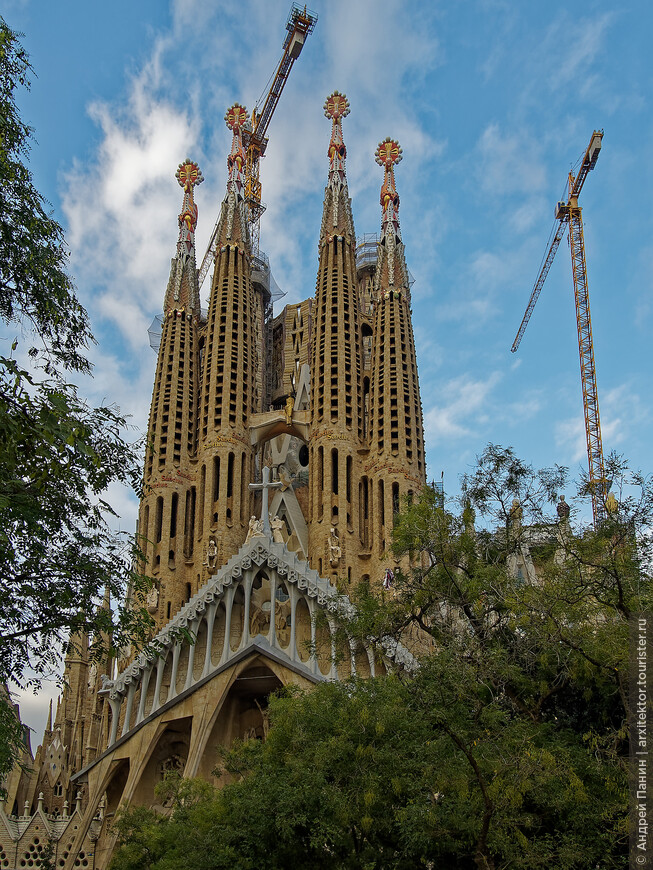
300, 23
568, 214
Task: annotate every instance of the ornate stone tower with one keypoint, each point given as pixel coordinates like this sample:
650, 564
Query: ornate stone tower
396, 461
319, 408
336, 413
168, 505
224, 460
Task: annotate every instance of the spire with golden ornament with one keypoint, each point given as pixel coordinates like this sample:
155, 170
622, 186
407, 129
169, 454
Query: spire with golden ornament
231, 360
336, 391
236, 118
172, 427
337, 217
233, 227
336, 107
396, 437
189, 176
387, 155
182, 293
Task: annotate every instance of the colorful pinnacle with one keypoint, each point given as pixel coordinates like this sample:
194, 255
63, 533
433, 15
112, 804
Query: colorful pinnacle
189, 176
388, 154
336, 107
236, 117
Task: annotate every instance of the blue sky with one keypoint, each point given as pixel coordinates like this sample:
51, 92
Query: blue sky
492, 103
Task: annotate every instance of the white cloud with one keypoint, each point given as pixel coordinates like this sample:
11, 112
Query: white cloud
485, 283
570, 47
121, 209
465, 402
34, 708
622, 413
509, 163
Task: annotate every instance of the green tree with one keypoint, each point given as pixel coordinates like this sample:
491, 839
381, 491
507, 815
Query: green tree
534, 606
58, 454
328, 789
506, 748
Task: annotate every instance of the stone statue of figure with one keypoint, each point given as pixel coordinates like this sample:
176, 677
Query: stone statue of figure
335, 550
564, 531
515, 515
290, 404
212, 553
611, 504
152, 600
277, 524
107, 684
255, 529
562, 509
92, 677
265, 716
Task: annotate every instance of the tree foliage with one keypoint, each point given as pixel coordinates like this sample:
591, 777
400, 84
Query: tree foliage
35, 288
507, 747
58, 454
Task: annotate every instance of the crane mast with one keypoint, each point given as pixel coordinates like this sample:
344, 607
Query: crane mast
569, 215
299, 24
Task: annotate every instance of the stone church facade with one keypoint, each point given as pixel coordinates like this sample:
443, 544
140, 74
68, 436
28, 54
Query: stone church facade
281, 449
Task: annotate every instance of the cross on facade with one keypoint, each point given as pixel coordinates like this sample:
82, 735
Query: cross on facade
264, 487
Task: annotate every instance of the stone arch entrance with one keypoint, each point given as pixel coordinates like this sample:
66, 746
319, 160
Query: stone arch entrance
242, 716
169, 755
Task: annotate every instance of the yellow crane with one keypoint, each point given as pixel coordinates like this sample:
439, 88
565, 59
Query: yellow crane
299, 24
568, 214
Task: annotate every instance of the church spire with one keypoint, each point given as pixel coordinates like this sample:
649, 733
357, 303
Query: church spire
336, 107
336, 395
337, 218
233, 225
230, 361
172, 427
394, 275
189, 176
236, 118
182, 293
396, 432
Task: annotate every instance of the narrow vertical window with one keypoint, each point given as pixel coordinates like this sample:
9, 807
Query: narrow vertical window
216, 478
144, 532
193, 506
173, 515
244, 488
320, 481
348, 469
230, 476
201, 506
158, 519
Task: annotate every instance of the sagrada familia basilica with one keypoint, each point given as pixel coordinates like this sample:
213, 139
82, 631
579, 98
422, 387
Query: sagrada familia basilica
281, 449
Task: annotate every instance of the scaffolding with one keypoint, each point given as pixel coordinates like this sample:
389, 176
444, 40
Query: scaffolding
367, 251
